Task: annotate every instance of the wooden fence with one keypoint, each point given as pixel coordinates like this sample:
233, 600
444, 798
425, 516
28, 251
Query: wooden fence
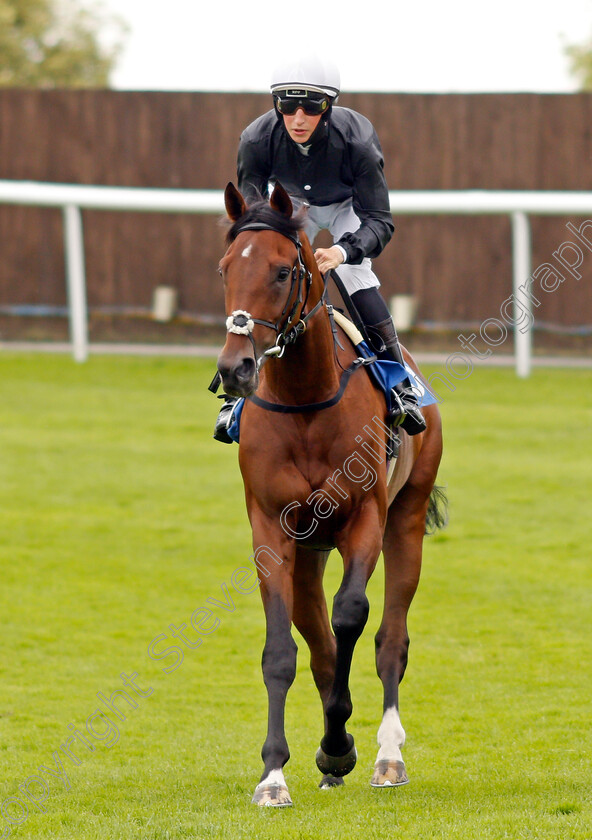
458, 267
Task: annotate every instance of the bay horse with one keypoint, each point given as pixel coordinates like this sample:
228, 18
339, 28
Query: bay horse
315, 478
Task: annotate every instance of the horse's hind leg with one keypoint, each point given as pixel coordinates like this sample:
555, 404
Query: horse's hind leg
359, 546
312, 621
402, 549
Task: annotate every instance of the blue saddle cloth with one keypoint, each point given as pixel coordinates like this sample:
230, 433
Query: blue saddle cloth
385, 375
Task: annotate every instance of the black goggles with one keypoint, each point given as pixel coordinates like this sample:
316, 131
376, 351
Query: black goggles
311, 105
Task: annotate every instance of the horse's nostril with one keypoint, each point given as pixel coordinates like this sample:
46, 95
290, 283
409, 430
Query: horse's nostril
246, 370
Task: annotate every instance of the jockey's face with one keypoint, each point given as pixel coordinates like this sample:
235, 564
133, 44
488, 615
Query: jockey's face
301, 126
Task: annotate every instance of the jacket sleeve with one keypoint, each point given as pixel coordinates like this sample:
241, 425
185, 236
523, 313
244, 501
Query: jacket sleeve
253, 168
370, 203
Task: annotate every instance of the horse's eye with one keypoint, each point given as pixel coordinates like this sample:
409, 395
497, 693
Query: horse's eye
283, 274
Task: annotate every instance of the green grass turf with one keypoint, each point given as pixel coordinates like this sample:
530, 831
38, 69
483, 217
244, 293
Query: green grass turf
120, 516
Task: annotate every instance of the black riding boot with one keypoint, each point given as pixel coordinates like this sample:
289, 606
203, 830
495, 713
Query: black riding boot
383, 336
225, 419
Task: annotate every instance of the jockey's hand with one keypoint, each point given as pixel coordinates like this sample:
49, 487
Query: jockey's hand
328, 258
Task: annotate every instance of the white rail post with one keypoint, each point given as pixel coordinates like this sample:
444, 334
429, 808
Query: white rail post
522, 267
76, 282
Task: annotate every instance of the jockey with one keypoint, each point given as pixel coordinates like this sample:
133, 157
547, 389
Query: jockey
329, 158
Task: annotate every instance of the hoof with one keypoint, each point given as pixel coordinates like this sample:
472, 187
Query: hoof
328, 781
337, 765
389, 774
272, 796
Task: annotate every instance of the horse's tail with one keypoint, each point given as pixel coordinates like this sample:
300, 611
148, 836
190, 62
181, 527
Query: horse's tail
437, 515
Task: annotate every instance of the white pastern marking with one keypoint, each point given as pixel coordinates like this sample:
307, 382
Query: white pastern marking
275, 777
247, 251
391, 736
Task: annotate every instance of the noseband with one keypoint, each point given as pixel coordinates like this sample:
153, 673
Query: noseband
241, 322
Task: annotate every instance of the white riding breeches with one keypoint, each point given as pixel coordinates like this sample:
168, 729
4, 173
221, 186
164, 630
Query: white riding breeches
339, 219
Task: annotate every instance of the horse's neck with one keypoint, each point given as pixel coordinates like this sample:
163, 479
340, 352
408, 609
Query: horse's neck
307, 371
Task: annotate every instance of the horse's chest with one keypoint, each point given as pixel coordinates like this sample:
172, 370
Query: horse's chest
313, 498
311, 484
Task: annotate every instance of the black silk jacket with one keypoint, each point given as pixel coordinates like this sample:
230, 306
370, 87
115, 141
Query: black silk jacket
344, 161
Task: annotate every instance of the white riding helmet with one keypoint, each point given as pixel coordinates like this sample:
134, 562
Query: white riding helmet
308, 71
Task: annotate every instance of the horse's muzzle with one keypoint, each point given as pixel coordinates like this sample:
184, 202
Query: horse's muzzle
239, 374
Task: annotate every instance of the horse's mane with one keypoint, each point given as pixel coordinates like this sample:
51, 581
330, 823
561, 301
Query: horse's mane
261, 212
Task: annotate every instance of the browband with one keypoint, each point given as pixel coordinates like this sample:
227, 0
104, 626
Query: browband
263, 226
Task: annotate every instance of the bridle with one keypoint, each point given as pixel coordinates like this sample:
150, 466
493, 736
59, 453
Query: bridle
241, 322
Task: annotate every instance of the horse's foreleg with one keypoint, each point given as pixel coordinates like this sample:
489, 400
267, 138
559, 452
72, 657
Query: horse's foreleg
359, 546
279, 670
278, 664
402, 556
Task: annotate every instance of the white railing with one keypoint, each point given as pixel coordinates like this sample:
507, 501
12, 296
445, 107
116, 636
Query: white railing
72, 198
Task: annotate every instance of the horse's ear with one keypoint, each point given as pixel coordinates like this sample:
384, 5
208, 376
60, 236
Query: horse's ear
280, 201
234, 202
